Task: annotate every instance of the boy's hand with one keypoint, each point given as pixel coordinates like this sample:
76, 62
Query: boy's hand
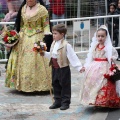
42, 53
82, 70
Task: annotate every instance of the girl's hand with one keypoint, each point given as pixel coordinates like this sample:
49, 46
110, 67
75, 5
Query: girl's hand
112, 59
82, 70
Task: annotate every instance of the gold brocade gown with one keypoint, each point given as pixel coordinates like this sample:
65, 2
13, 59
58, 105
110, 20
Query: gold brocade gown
27, 71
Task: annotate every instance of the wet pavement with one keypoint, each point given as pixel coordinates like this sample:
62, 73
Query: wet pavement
16, 105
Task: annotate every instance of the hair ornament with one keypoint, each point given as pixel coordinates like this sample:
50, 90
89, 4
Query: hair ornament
103, 27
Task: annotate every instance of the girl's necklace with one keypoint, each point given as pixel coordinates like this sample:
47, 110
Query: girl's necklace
99, 47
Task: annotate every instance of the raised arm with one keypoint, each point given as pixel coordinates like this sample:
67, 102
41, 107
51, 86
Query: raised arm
12, 11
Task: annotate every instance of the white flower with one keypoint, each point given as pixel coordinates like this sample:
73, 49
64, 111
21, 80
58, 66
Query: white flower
8, 38
111, 73
114, 70
35, 45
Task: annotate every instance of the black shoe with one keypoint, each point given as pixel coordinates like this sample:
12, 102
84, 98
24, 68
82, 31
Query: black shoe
64, 107
54, 106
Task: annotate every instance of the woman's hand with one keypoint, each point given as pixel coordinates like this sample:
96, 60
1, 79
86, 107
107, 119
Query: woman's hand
11, 45
8, 45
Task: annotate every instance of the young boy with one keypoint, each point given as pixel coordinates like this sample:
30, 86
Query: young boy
61, 53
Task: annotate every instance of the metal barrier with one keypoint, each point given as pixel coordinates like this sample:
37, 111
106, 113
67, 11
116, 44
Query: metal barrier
77, 39
92, 29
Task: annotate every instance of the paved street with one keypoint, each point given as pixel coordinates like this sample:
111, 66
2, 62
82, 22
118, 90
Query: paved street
16, 105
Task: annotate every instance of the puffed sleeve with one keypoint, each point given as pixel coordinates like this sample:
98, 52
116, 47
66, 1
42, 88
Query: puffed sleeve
45, 24
46, 28
114, 54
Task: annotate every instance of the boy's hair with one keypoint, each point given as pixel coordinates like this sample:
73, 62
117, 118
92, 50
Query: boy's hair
60, 28
112, 4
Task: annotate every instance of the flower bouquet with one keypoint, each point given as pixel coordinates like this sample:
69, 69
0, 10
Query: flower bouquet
40, 47
9, 37
114, 73
114, 76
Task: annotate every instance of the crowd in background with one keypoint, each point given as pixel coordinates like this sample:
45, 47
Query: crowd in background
56, 8
59, 8
114, 9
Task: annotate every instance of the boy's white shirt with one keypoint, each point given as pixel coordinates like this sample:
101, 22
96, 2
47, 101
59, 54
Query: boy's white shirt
71, 55
46, 2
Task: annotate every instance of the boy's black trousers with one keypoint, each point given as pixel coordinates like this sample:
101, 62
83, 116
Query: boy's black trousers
61, 82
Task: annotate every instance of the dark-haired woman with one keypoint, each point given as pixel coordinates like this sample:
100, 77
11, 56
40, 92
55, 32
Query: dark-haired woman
27, 71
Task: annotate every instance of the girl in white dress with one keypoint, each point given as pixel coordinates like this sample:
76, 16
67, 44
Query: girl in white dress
97, 90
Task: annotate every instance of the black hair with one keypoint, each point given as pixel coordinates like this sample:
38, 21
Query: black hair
102, 29
112, 4
18, 18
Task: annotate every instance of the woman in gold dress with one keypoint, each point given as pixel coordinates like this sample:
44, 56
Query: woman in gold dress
27, 71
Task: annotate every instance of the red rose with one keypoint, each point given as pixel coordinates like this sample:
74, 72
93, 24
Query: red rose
5, 39
34, 49
106, 76
12, 33
112, 68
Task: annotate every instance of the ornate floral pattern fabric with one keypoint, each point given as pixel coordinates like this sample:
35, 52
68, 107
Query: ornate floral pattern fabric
27, 71
107, 96
97, 90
